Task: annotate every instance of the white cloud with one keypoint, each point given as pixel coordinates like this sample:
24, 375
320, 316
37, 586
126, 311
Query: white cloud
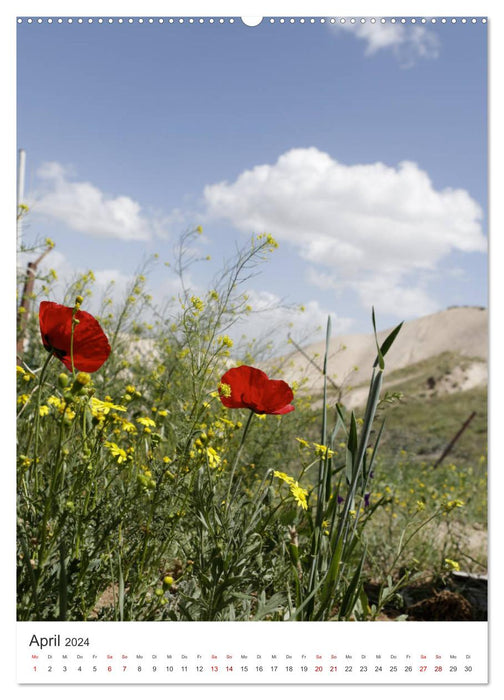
272, 321
388, 293
369, 227
85, 208
408, 42
389, 296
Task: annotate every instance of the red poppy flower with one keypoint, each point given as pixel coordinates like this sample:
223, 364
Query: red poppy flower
248, 387
90, 345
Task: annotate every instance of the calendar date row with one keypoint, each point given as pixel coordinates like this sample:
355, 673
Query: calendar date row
267, 669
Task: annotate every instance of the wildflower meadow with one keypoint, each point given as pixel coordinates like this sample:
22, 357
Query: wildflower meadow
166, 471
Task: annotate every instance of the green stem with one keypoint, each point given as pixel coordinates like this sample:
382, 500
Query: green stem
402, 545
49, 498
75, 321
235, 463
37, 420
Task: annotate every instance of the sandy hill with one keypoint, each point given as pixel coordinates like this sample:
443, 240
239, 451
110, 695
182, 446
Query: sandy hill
459, 330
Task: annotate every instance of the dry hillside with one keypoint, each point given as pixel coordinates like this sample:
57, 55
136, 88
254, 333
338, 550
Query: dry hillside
462, 331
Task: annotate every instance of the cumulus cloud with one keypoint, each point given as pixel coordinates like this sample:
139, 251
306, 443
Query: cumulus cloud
85, 208
271, 321
407, 42
369, 227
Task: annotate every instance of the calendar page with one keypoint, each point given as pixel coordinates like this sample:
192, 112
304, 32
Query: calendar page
252, 349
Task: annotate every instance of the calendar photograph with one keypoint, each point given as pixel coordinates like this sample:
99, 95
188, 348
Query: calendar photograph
251, 326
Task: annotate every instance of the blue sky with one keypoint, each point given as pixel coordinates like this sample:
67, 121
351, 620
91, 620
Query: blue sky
362, 148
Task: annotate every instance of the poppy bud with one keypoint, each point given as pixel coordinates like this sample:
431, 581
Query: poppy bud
80, 382
83, 378
62, 380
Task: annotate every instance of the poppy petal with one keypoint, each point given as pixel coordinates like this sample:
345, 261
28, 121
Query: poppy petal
90, 345
277, 394
251, 388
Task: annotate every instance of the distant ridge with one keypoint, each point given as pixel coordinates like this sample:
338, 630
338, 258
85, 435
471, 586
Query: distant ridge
460, 330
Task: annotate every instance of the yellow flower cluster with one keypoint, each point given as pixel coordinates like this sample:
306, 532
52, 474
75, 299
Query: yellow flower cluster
224, 389
452, 565
116, 452
26, 376
451, 505
297, 491
225, 341
100, 408
197, 305
268, 239
147, 423
320, 450
61, 406
323, 451
213, 458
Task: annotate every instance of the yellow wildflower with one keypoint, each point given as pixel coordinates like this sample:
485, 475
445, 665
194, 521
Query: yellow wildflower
299, 495
197, 304
225, 340
146, 422
450, 505
56, 402
281, 475
323, 450
224, 389
116, 451
452, 565
213, 458
69, 414
102, 408
296, 490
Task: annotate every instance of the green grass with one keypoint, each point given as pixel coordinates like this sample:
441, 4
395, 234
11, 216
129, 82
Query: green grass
410, 489
423, 427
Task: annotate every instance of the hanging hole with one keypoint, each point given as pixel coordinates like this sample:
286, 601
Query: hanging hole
251, 21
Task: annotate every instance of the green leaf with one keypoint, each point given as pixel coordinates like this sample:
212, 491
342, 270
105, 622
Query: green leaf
353, 590
266, 607
351, 449
379, 358
385, 346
